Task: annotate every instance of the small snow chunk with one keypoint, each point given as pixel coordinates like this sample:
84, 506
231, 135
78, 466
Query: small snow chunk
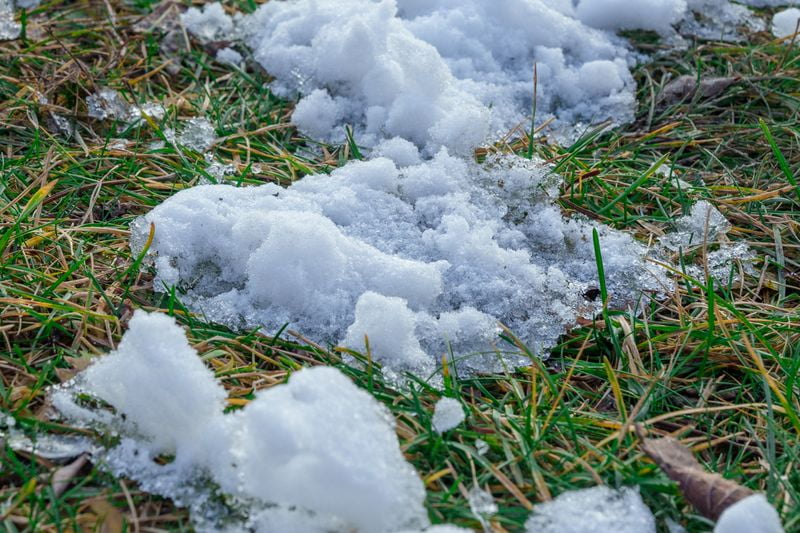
209, 23
229, 56
595, 510
217, 169
197, 134
784, 23
753, 514
107, 103
447, 414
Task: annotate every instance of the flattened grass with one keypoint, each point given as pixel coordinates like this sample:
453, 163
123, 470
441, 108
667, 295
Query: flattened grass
714, 364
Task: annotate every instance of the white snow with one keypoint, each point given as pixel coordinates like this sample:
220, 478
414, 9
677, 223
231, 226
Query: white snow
447, 414
595, 510
439, 73
657, 15
784, 23
753, 514
209, 23
317, 444
415, 258
229, 56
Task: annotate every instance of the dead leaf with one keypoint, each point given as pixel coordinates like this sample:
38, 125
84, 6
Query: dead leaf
687, 87
64, 475
708, 492
108, 517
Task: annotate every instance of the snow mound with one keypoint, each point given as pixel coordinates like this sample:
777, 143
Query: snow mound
415, 258
440, 73
595, 510
294, 455
447, 414
753, 514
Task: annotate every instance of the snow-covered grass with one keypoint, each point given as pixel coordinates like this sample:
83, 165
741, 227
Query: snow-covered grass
713, 364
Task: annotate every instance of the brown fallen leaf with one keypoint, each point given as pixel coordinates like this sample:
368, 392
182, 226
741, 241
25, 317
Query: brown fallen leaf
109, 518
708, 492
686, 87
64, 475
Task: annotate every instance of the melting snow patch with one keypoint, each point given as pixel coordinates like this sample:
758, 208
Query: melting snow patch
595, 510
447, 414
416, 259
706, 226
703, 224
293, 456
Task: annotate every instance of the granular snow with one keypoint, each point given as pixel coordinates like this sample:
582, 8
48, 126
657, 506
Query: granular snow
296, 449
447, 414
595, 510
417, 259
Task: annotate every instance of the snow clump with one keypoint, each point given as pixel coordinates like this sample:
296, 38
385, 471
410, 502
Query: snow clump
294, 456
753, 514
417, 259
209, 23
595, 510
784, 23
447, 414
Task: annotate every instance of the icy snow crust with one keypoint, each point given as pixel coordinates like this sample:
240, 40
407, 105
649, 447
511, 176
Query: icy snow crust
295, 456
417, 258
